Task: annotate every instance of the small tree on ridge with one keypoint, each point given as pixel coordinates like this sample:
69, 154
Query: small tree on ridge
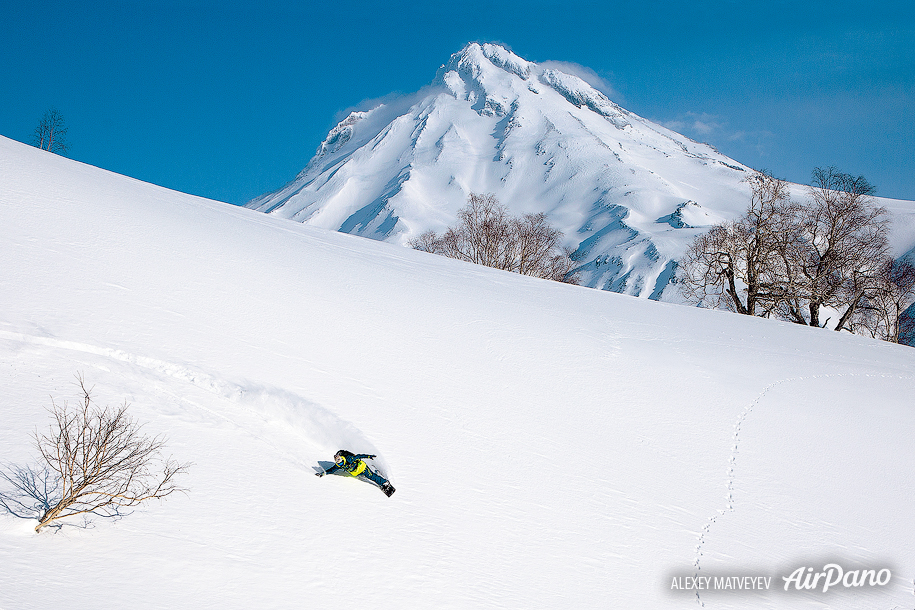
51, 133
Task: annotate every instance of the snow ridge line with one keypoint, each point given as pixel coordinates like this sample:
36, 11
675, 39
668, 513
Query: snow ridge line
321, 426
732, 460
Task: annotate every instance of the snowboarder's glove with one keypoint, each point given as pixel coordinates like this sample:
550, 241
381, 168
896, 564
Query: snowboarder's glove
319, 474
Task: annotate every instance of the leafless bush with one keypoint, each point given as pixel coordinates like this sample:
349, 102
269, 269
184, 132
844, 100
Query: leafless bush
51, 132
96, 461
487, 235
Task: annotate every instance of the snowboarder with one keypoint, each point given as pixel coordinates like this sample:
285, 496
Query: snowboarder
354, 466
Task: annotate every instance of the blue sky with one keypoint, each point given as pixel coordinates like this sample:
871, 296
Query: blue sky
229, 100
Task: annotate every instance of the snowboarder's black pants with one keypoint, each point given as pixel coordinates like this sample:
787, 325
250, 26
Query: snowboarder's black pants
374, 477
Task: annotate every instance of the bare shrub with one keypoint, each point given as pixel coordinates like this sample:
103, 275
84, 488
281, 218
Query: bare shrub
488, 235
96, 461
427, 242
51, 132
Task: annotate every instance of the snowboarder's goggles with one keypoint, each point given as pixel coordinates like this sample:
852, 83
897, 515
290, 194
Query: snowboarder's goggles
340, 460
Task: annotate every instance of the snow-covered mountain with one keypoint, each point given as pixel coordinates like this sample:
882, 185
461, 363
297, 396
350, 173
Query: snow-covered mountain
628, 193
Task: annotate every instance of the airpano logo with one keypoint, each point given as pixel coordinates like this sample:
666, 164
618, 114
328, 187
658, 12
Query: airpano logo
833, 577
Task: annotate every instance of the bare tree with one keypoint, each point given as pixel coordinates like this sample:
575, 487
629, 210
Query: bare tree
97, 461
881, 314
739, 265
427, 242
536, 248
841, 251
488, 235
483, 235
794, 261
51, 133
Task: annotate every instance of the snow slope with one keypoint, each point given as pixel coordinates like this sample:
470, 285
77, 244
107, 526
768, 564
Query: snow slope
552, 446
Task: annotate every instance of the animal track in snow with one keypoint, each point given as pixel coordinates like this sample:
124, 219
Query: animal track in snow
732, 460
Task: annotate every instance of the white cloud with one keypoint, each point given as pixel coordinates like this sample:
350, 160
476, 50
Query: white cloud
695, 123
713, 128
588, 75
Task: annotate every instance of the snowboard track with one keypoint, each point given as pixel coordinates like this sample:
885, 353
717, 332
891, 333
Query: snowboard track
310, 420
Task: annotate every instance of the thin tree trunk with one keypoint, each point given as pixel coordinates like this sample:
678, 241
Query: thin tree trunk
814, 314
851, 309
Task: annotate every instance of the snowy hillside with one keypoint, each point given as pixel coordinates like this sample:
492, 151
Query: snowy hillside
552, 446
